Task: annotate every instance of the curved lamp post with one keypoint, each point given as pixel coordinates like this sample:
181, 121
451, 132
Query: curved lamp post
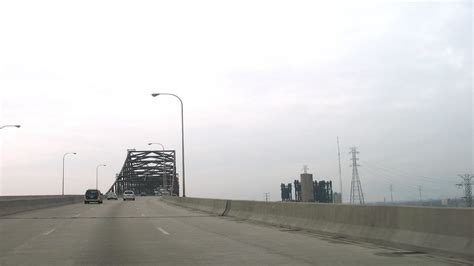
97, 175
151, 143
64, 157
17, 126
164, 169
182, 136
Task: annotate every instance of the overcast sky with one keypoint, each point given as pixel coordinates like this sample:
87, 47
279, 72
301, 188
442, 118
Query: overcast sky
267, 87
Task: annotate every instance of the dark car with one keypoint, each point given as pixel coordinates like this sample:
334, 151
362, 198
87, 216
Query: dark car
93, 195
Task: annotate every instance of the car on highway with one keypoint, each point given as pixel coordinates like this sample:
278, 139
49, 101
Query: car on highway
128, 195
143, 193
164, 192
112, 196
93, 195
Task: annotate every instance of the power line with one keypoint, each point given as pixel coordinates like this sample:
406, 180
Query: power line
379, 176
404, 174
396, 176
385, 176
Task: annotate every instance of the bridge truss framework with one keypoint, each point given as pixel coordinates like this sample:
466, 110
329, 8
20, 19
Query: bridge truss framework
147, 170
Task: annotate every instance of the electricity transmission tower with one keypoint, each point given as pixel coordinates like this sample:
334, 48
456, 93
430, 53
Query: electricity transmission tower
467, 184
266, 195
391, 193
357, 196
421, 200
340, 175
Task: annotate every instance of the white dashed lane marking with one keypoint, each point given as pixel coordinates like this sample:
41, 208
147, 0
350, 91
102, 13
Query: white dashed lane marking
48, 232
163, 231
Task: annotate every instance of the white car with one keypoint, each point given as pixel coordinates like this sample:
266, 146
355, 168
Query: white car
128, 195
164, 192
111, 196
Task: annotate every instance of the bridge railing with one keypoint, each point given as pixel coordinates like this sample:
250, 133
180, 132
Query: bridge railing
16, 204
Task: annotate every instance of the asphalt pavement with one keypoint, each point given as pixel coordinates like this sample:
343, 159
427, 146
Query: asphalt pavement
150, 232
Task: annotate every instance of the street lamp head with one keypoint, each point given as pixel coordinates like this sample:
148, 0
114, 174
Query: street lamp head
17, 126
74, 153
155, 94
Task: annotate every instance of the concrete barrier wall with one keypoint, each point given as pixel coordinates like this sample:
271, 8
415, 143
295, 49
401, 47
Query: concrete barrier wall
214, 206
11, 205
445, 230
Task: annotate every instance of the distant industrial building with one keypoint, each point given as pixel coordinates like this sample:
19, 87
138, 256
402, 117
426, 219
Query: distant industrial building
308, 190
307, 187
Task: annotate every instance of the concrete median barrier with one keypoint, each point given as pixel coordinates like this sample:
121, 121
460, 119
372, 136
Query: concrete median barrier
16, 204
442, 230
214, 206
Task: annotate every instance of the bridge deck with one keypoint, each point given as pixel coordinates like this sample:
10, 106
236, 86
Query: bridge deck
148, 231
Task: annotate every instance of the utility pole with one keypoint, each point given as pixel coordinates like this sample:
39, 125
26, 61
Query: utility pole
356, 188
467, 184
421, 200
391, 193
182, 136
165, 181
340, 175
64, 157
267, 196
97, 175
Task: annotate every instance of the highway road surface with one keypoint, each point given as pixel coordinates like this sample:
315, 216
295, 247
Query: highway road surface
150, 232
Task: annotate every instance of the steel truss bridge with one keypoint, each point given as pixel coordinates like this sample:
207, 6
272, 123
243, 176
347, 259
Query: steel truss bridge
145, 171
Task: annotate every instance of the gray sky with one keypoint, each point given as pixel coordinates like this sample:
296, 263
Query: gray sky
267, 87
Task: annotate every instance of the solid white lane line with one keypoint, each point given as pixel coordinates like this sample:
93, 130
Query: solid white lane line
163, 231
49, 232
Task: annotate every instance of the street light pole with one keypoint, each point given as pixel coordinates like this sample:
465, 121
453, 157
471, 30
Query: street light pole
97, 175
17, 126
182, 136
64, 157
164, 169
